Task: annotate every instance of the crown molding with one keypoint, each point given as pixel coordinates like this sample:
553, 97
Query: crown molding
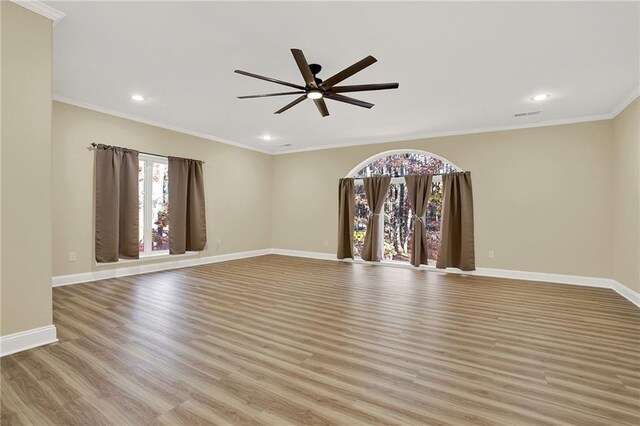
574, 120
625, 102
41, 9
102, 110
455, 133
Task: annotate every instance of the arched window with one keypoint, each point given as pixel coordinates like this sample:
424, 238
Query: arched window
398, 215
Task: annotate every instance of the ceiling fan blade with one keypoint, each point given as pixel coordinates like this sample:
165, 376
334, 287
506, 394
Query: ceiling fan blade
322, 107
348, 100
270, 94
289, 105
303, 65
348, 72
364, 87
272, 80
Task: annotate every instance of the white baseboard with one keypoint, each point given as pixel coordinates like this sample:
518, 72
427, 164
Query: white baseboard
143, 268
624, 291
307, 254
18, 342
543, 277
621, 289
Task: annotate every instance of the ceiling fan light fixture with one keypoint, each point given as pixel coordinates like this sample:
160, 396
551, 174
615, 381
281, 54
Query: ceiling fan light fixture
314, 94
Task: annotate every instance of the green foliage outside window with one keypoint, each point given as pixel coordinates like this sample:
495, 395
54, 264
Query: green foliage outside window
398, 215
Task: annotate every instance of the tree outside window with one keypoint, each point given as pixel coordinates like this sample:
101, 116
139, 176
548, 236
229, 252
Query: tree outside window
153, 193
398, 215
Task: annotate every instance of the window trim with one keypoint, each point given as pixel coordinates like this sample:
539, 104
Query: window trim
148, 211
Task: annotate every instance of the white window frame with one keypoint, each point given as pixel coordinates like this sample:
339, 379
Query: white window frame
148, 197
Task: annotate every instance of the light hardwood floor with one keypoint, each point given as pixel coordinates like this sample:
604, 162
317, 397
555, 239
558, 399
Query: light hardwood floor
278, 340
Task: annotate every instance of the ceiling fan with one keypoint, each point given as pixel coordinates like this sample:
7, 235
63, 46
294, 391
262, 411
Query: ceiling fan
317, 89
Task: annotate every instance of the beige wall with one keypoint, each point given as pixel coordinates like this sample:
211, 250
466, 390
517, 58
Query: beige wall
26, 170
542, 196
626, 197
561, 199
237, 184
1, 8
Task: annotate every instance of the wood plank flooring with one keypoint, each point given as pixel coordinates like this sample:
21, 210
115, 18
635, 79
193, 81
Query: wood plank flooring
280, 340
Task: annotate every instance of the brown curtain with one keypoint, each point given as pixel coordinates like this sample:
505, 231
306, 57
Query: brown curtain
187, 220
419, 189
116, 204
346, 211
375, 189
456, 244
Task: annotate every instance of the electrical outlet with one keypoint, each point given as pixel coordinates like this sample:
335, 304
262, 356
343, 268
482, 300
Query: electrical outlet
491, 254
326, 243
72, 256
218, 244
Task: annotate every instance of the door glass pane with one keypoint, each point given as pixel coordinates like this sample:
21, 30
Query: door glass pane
434, 219
159, 207
397, 223
361, 220
141, 206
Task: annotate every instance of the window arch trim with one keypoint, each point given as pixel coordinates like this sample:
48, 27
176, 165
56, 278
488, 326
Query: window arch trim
360, 166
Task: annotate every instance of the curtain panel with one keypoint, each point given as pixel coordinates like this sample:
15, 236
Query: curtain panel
375, 190
419, 189
346, 217
116, 204
187, 218
457, 239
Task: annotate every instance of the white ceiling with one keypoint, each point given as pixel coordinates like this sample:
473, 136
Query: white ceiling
461, 66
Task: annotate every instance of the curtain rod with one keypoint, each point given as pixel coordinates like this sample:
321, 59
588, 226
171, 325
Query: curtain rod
392, 177
95, 145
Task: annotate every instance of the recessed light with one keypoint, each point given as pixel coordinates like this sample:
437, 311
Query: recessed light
541, 97
137, 98
314, 94
267, 137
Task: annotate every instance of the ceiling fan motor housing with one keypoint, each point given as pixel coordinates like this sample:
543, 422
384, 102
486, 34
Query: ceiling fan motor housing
315, 69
